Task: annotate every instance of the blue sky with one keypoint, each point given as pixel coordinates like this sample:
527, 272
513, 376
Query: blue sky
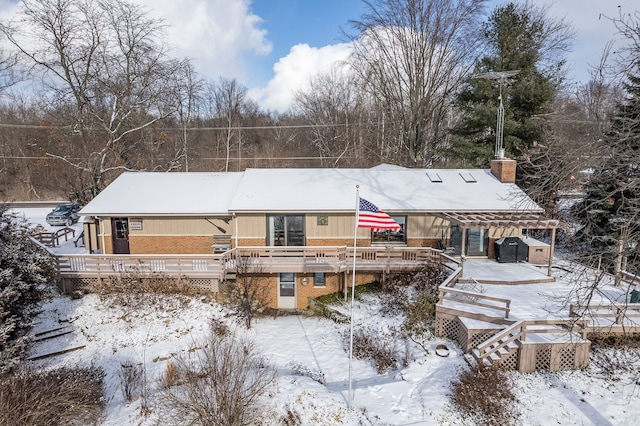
273, 47
314, 22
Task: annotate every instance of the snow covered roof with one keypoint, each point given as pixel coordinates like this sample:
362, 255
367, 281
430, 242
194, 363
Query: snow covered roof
303, 190
148, 193
398, 190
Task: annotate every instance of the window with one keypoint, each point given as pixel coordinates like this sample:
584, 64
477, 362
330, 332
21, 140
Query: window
287, 284
319, 279
389, 236
285, 230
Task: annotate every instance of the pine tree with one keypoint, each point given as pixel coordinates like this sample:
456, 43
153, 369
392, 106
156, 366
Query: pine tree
610, 210
518, 39
24, 269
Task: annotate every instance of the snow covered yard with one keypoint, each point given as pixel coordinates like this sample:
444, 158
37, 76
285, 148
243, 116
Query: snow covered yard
303, 348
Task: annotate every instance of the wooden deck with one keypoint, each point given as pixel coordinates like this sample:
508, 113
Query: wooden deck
211, 269
531, 337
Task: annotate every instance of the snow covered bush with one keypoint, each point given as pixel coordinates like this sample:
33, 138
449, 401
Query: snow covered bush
139, 288
24, 269
220, 383
302, 370
485, 395
400, 288
130, 375
378, 346
414, 296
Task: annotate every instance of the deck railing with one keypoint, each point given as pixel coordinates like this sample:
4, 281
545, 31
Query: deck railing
103, 266
613, 313
268, 259
519, 331
473, 299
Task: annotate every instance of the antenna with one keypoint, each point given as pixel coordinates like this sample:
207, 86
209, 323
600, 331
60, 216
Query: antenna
501, 76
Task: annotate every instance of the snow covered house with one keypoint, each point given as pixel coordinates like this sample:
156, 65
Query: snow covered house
300, 223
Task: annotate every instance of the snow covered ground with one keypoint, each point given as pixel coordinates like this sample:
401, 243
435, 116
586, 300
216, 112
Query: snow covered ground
415, 395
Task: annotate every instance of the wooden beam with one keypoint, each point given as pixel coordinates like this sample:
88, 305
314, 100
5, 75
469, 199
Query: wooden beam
551, 249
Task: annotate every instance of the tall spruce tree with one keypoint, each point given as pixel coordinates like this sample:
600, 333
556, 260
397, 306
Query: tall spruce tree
518, 38
610, 210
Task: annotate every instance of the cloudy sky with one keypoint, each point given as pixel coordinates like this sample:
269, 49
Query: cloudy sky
273, 46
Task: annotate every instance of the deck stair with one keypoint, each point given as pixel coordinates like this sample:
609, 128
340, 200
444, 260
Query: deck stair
500, 347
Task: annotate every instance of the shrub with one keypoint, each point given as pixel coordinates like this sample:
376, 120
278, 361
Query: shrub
419, 317
415, 295
421, 284
302, 370
58, 397
379, 347
137, 288
485, 395
171, 376
130, 380
219, 327
219, 384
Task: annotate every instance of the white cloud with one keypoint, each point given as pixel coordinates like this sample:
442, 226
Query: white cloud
292, 73
216, 34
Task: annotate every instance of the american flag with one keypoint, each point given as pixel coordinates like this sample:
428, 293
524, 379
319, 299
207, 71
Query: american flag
369, 216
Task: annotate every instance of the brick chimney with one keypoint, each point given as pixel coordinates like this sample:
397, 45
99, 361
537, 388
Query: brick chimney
504, 169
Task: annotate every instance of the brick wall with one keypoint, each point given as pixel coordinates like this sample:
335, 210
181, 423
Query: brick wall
423, 242
249, 242
170, 244
321, 242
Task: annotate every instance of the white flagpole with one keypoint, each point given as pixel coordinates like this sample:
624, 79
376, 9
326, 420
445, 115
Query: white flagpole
353, 287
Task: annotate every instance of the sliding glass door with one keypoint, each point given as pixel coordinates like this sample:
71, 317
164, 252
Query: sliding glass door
476, 242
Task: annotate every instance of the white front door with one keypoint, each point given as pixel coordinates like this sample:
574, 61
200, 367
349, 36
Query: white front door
287, 291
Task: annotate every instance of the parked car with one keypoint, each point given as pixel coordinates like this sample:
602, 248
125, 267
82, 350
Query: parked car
64, 214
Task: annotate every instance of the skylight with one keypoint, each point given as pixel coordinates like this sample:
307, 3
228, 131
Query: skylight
434, 177
468, 177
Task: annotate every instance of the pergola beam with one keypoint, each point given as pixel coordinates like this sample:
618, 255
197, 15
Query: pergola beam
515, 220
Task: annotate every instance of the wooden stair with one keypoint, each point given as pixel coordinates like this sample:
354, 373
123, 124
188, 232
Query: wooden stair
500, 346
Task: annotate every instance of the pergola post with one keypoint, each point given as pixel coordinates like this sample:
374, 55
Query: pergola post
463, 247
553, 246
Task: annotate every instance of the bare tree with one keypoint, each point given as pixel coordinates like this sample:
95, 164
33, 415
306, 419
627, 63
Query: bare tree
329, 105
10, 73
189, 92
229, 104
248, 295
107, 59
411, 55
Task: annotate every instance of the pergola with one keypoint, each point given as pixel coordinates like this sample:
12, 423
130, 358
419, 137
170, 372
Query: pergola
503, 219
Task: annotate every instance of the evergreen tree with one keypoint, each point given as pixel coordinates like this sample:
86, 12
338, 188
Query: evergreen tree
24, 269
518, 38
610, 210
